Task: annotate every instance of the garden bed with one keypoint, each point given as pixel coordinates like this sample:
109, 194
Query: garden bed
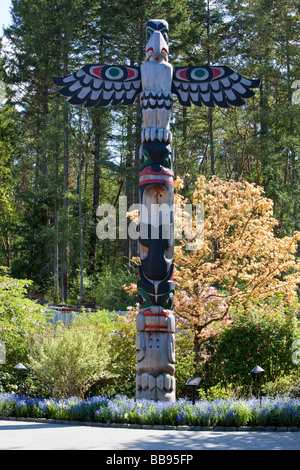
278, 414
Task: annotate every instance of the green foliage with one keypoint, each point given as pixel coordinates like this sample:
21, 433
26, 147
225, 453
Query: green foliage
70, 359
260, 334
107, 288
220, 392
294, 391
20, 319
123, 357
283, 385
44, 146
9, 180
96, 353
184, 365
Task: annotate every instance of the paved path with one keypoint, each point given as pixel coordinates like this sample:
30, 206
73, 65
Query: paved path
20, 435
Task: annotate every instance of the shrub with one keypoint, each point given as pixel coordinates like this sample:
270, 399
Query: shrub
185, 364
281, 386
294, 391
220, 392
69, 359
107, 288
19, 318
260, 334
123, 357
240, 258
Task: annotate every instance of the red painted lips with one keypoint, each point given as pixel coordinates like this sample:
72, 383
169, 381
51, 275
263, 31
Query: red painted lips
164, 176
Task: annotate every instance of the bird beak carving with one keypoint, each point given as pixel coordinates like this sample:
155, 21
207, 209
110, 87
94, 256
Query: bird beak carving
157, 48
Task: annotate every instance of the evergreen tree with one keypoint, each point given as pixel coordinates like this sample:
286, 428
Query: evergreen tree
59, 162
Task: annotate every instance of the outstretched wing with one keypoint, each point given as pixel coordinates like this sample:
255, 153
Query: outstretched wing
100, 85
211, 86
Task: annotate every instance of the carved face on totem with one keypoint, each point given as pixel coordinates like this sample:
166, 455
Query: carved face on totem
157, 40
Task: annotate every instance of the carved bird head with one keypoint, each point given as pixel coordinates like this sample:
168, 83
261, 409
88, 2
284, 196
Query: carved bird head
157, 40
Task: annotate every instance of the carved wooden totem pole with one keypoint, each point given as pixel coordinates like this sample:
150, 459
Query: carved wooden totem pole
156, 81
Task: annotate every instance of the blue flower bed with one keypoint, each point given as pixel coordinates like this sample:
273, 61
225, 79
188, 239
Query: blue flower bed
71, 409
283, 411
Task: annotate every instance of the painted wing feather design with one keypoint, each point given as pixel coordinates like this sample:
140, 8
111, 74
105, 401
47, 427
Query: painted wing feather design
100, 85
210, 86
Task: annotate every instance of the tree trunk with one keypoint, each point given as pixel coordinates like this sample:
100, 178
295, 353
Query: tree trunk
65, 235
127, 249
6, 247
80, 208
96, 188
210, 111
56, 250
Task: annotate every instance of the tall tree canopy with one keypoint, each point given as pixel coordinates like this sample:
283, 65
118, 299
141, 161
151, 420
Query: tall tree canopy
58, 162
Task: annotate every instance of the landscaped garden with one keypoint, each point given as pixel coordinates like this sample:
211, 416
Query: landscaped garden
85, 372
231, 316
236, 299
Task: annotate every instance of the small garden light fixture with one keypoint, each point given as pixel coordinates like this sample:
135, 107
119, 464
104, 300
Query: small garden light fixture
22, 369
255, 372
194, 383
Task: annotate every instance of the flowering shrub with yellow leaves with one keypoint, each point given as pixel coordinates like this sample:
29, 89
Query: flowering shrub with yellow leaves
240, 257
239, 260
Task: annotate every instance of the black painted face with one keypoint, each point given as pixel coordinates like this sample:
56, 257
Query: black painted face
160, 293
158, 261
157, 40
156, 152
157, 25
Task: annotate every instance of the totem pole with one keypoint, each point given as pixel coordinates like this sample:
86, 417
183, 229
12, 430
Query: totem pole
156, 81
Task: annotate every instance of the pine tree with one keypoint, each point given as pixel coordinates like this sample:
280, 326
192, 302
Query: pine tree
59, 162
